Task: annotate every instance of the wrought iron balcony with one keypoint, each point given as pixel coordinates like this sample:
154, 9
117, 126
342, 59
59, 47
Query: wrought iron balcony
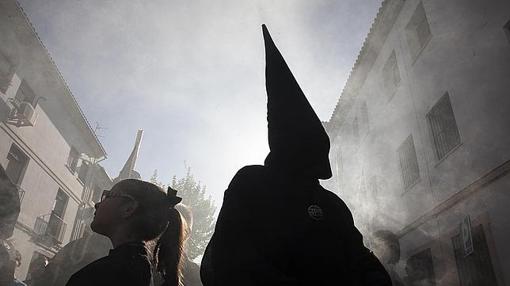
49, 229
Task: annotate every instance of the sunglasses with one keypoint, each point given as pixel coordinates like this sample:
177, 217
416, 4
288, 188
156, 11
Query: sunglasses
108, 194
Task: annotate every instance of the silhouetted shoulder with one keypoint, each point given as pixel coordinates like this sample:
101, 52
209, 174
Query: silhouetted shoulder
247, 176
247, 173
337, 204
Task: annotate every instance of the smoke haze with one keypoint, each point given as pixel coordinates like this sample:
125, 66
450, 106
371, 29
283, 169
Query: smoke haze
191, 73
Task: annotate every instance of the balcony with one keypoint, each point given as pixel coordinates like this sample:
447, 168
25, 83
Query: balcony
22, 113
49, 230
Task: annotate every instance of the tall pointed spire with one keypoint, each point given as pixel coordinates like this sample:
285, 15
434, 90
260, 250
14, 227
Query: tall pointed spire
297, 139
128, 171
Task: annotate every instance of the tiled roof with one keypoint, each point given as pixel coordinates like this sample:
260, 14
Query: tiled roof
372, 44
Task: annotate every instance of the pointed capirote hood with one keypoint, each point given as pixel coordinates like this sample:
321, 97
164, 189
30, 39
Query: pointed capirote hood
297, 139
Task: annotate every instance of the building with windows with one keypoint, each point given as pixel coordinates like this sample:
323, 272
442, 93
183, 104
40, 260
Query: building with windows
420, 141
47, 147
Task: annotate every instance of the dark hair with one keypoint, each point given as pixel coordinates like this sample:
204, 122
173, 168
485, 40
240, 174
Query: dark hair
157, 219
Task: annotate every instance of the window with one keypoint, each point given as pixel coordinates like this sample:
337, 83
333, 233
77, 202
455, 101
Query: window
16, 165
391, 74
6, 72
418, 32
420, 268
84, 169
476, 268
26, 94
96, 194
60, 205
443, 127
408, 163
72, 160
56, 226
79, 222
506, 28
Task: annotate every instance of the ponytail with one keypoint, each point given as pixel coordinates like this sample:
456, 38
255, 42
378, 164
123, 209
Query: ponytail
160, 225
168, 252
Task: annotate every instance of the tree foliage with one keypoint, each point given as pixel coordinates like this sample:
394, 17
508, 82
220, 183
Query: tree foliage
194, 195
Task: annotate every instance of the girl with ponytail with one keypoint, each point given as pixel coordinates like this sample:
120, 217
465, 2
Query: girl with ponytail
133, 215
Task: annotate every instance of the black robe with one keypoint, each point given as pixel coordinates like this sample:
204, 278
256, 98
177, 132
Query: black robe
126, 265
281, 229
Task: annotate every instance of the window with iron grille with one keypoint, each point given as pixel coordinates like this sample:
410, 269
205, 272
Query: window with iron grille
83, 171
17, 163
418, 31
60, 205
443, 127
56, 225
476, 268
507, 30
391, 74
408, 163
72, 160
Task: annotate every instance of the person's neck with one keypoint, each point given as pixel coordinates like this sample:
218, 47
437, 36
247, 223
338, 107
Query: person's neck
121, 237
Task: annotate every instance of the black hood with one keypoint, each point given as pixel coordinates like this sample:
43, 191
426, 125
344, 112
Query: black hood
297, 139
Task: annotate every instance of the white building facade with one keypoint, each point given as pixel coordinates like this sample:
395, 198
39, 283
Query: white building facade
420, 141
47, 147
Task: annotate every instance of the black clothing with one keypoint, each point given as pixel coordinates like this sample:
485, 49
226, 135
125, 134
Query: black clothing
71, 258
278, 230
126, 265
277, 225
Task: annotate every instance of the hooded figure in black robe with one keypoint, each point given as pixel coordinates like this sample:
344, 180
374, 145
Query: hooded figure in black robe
277, 225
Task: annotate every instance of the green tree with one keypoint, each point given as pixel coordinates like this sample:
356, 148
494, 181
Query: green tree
154, 179
194, 195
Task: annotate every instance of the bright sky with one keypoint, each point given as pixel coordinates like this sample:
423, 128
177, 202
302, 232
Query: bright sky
190, 73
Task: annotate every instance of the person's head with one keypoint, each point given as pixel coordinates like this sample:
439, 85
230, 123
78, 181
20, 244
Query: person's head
144, 212
386, 246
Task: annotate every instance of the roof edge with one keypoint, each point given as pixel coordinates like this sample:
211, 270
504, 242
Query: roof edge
66, 86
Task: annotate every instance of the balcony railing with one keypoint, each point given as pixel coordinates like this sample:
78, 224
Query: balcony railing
50, 229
